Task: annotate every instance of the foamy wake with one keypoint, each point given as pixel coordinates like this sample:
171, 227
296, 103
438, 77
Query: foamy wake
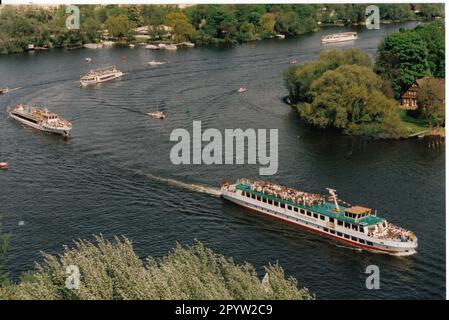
184, 185
395, 254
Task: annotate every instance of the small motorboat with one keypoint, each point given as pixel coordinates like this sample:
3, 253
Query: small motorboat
132, 45
88, 59
156, 63
3, 165
294, 61
157, 114
241, 90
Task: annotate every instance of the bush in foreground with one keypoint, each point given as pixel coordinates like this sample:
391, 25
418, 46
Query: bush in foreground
112, 270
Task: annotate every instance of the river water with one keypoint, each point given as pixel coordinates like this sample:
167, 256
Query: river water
114, 175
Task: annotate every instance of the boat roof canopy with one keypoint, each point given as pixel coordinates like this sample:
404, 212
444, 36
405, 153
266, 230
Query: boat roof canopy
358, 210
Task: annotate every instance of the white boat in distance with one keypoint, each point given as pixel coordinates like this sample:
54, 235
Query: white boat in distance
41, 119
100, 75
156, 63
241, 90
151, 47
339, 37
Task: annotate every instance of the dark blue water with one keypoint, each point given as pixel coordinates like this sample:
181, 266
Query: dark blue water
112, 176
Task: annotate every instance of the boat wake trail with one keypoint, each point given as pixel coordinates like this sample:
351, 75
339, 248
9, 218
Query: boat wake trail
216, 192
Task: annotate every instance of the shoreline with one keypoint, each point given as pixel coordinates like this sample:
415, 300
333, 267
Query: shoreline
429, 133
213, 42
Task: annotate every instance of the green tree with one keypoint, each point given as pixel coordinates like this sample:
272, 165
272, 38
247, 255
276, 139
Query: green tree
182, 29
433, 35
429, 11
91, 27
298, 78
340, 90
402, 58
118, 26
430, 107
113, 271
267, 22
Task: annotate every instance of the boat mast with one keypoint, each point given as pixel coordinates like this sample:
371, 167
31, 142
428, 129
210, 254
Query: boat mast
333, 193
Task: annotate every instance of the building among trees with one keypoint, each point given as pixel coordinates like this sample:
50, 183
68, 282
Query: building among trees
409, 100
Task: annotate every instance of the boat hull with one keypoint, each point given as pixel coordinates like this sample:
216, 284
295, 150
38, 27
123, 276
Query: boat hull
99, 80
315, 225
326, 41
60, 131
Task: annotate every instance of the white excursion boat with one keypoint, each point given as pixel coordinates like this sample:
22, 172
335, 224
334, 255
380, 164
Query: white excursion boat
157, 114
241, 90
156, 63
41, 119
100, 75
339, 37
324, 214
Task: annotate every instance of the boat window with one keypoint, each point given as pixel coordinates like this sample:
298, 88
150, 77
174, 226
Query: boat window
339, 234
322, 217
289, 207
369, 243
282, 205
302, 211
270, 201
275, 203
347, 225
355, 227
361, 229
264, 199
258, 198
295, 209
354, 238
315, 215
331, 219
346, 236
362, 241
332, 231
309, 213
326, 229
253, 196
340, 223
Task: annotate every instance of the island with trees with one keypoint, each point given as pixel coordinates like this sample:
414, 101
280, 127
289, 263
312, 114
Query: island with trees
343, 90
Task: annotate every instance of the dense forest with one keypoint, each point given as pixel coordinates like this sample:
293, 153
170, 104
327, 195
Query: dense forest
201, 24
112, 271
